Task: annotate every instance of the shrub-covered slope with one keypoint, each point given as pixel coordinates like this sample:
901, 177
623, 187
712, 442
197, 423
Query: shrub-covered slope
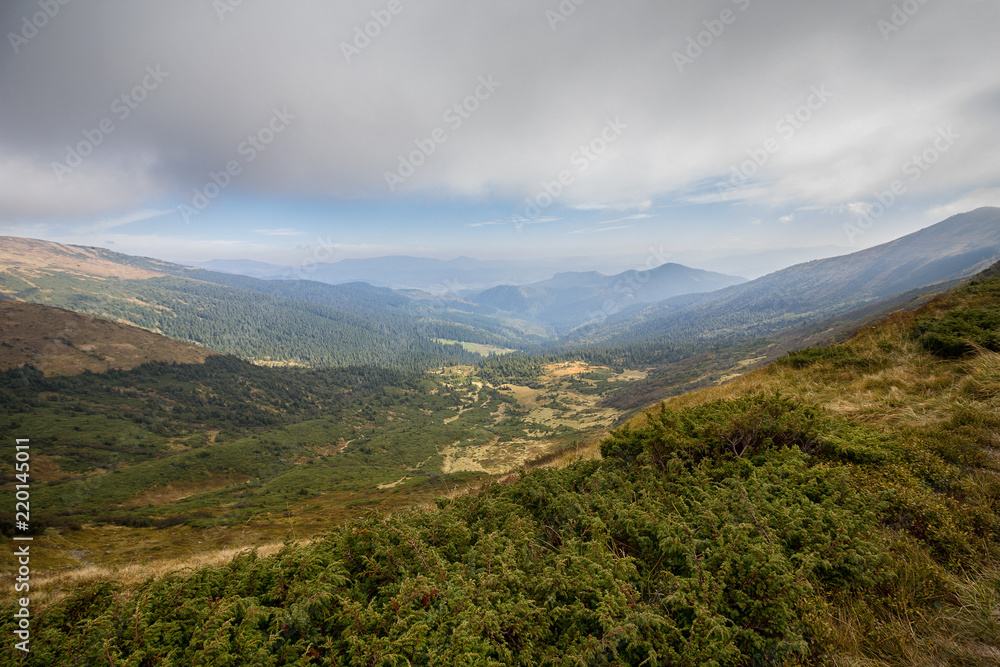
841, 506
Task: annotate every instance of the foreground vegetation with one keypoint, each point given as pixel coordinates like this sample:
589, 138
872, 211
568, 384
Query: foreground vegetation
841, 506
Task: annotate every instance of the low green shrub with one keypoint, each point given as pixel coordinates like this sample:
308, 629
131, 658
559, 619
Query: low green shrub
958, 333
837, 356
722, 429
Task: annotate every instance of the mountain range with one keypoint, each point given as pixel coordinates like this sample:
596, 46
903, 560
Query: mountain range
437, 276
268, 321
464, 274
568, 300
952, 249
312, 323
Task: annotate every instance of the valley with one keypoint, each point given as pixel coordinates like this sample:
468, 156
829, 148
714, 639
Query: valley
843, 499
119, 454
156, 454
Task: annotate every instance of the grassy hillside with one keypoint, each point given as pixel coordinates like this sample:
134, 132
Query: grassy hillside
61, 342
841, 506
708, 364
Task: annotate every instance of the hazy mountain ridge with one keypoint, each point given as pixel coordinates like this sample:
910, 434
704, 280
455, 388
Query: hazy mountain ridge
437, 276
464, 275
955, 248
570, 299
315, 323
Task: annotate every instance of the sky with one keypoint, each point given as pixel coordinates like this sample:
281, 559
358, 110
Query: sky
282, 131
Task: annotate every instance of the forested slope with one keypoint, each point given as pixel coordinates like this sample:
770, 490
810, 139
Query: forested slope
281, 322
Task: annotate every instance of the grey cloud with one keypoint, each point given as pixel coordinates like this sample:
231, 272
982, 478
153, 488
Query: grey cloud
610, 58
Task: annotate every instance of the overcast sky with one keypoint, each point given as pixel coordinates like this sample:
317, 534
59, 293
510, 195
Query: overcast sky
444, 127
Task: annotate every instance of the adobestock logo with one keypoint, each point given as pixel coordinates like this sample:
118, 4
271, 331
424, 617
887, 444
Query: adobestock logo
565, 10
915, 167
901, 15
581, 159
787, 127
455, 117
323, 251
122, 107
249, 150
225, 7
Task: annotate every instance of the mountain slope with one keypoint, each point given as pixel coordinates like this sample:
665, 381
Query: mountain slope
955, 248
61, 342
570, 299
297, 322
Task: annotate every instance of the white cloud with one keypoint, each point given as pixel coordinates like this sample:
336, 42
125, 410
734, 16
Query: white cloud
856, 208
601, 229
972, 201
637, 216
278, 232
31, 190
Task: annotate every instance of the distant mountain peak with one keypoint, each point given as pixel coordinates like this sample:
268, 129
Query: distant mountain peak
951, 250
572, 298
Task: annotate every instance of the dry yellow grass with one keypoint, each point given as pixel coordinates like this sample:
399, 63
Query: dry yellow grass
30, 257
49, 588
178, 490
905, 387
60, 342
